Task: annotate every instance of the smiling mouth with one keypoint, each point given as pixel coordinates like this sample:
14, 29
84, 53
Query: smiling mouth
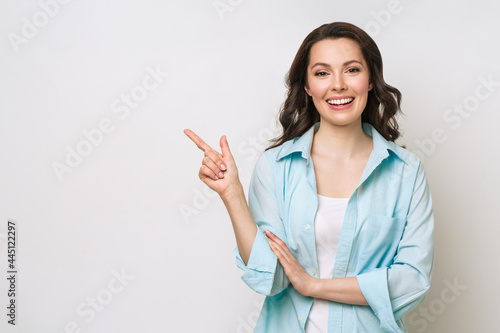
342, 101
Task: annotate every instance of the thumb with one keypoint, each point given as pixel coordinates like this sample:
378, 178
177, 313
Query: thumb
225, 147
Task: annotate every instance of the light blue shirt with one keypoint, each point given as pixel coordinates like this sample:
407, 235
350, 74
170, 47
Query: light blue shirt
386, 240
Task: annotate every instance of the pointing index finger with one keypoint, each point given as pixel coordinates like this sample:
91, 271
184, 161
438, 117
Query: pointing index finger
197, 140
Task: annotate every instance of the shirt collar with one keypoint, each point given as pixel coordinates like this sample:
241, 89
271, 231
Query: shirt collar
303, 144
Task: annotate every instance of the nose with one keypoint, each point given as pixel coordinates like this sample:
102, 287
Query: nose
338, 82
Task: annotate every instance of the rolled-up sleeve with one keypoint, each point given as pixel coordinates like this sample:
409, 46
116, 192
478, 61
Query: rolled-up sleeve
394, 291
263, 272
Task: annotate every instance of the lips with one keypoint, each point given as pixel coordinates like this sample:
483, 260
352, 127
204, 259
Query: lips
340, 101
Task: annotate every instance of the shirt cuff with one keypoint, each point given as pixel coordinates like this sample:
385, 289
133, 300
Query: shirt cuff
374, 288
259, 273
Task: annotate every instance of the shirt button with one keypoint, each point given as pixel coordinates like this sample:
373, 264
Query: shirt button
300, 318
307, 227
313, 272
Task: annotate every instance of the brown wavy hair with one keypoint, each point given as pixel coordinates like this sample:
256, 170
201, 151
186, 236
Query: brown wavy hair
298, 113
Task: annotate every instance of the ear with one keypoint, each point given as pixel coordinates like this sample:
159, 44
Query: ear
370, 86
307, 90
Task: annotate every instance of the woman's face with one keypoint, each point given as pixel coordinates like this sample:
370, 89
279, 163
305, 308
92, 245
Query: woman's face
338, 81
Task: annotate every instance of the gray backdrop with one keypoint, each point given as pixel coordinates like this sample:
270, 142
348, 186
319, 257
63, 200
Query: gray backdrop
115, 231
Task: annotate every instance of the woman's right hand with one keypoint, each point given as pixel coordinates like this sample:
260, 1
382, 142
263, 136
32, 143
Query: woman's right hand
218, 171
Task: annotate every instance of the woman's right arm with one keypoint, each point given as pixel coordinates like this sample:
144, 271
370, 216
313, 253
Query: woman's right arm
262, 270
244, 226
219, 172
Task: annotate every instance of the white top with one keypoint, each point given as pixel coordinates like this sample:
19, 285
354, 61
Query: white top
327, 226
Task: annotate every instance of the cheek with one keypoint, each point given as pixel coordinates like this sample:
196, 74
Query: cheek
318, 89
361, 86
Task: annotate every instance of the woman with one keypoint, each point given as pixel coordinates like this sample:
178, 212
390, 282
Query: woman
338, 232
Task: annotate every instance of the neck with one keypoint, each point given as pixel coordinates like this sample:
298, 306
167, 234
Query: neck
341, 141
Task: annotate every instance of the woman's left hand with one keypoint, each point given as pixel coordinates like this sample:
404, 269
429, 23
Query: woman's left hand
299, 278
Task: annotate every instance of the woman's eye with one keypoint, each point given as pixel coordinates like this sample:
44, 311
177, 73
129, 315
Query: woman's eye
321, 73
353, 70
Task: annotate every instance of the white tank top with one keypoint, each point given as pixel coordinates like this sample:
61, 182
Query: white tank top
327, 226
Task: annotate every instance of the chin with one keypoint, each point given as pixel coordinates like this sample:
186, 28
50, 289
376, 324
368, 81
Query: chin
342, 120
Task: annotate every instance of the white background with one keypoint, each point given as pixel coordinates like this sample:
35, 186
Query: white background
135, 205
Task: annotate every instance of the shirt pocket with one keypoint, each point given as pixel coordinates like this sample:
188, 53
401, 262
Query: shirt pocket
381, 236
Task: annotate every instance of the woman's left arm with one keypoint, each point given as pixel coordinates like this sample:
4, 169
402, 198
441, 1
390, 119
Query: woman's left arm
343, 290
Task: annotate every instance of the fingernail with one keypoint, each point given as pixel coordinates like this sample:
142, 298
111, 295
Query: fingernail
223, 167
221, 175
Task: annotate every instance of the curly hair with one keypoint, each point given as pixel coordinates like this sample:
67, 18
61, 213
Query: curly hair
298, 113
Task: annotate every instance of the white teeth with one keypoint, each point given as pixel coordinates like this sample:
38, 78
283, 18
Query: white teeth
340, 101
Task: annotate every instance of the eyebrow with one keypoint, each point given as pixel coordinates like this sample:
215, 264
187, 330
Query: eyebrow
344, 64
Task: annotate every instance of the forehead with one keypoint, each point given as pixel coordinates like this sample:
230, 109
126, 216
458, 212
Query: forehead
335, 51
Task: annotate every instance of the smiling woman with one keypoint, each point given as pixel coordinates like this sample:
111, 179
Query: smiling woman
328, 82
338, 230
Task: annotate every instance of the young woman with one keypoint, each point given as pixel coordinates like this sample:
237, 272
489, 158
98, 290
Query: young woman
338, 230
